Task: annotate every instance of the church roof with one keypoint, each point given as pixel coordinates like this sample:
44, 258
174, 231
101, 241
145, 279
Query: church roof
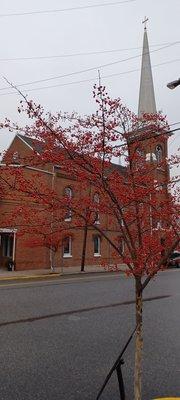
34, 144
37, 146
147, 103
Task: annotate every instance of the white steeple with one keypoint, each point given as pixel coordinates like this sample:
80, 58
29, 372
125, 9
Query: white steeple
147, 102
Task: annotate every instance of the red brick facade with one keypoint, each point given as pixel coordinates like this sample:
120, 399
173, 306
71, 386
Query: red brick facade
15, 246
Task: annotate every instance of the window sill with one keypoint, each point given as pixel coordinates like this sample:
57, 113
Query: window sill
97, 255
67, 255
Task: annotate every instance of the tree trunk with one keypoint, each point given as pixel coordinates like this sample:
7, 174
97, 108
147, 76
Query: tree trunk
138, 343
84, 248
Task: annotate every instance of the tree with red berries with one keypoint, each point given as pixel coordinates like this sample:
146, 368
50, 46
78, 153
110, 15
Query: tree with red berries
138, 198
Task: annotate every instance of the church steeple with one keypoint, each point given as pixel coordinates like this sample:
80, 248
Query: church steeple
147, 103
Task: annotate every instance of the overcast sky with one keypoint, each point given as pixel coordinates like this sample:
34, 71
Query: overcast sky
87, 30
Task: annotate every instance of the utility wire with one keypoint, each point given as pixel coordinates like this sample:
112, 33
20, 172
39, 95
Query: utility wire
175, 123
89, 69
170, 144
53, 11
87, 80
77, 54
174, 130
144, 138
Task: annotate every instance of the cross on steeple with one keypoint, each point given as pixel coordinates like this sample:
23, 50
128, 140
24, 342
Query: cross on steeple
145, 21
99, 77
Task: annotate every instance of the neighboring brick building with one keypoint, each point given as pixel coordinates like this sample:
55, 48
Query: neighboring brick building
69, 253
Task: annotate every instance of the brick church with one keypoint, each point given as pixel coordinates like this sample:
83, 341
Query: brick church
13, 246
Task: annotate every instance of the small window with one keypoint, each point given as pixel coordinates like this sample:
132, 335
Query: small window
140, 152
97, 245
68, 194
67, 247
15, 157
158, 225
151, 157
96, 201
158, 186
159, 153
122, 222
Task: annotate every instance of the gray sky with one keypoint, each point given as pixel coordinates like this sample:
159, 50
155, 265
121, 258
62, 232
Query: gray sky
81, 31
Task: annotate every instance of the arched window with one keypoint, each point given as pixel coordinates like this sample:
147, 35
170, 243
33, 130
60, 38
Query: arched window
67, 247
159, 153
68, 194
97, 245
96, 200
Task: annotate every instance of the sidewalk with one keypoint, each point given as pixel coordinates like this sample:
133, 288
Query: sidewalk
45, 273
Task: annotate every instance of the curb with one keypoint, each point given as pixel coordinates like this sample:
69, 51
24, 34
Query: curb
55, 275
12, 278
65, 275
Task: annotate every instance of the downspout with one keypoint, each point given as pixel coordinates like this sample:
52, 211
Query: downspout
14, 247
51, 255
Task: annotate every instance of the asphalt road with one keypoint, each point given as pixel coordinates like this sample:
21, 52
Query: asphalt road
60, 338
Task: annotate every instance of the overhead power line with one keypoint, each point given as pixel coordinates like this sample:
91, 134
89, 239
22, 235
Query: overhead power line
170, 144
87, 69
88, 53
88, 80
175, 123
53, 11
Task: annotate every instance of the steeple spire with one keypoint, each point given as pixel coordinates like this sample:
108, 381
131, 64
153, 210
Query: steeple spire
147, 102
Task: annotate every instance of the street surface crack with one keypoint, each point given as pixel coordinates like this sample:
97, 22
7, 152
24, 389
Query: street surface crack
78, 311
